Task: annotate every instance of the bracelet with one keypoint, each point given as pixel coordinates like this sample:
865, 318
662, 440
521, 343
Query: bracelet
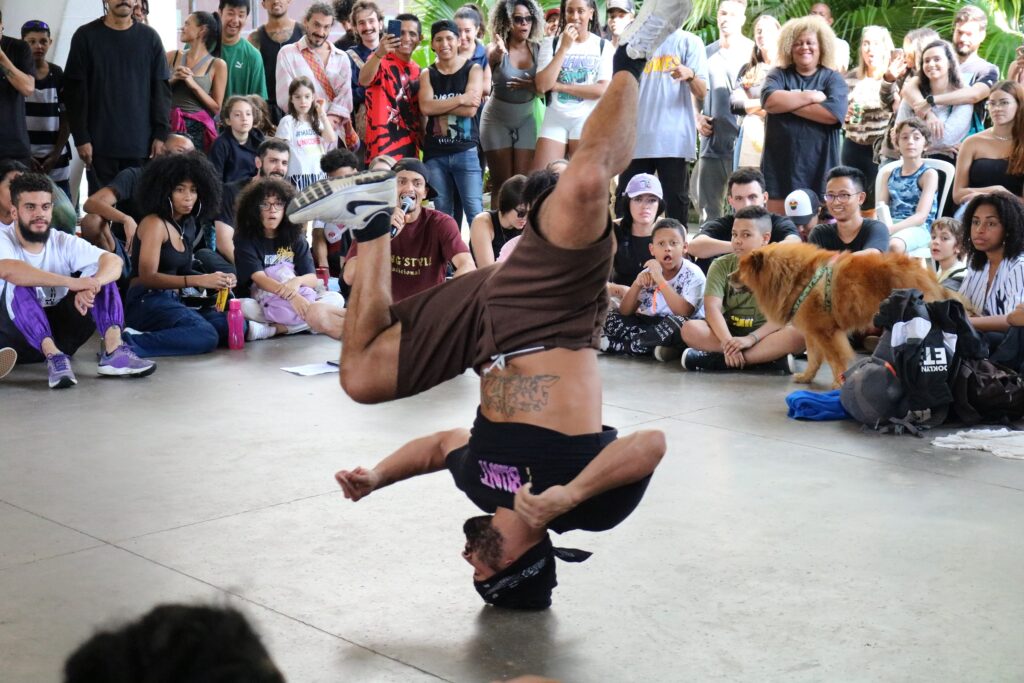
186, 280
754, 335
662, 286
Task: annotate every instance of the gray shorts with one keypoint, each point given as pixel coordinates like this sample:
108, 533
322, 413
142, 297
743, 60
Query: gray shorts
505, 124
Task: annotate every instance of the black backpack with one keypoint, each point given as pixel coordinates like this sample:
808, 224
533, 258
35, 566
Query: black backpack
984, 391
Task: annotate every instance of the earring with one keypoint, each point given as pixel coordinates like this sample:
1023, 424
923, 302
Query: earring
200, 211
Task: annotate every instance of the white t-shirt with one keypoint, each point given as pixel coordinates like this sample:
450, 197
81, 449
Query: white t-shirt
585, 64
1006, 292
688, 283
305, 150
63, 254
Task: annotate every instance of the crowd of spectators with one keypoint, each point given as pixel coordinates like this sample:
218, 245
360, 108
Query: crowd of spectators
787, 134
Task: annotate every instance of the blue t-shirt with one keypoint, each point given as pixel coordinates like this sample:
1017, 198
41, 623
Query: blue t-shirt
665, 124
905, 193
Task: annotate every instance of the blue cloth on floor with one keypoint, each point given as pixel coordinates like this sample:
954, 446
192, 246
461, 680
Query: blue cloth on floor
810, 405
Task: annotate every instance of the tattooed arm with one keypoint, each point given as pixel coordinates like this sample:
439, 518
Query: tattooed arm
419, 456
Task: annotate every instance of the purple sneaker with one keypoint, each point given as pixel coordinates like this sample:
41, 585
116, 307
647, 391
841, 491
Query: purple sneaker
124, 363
61, 374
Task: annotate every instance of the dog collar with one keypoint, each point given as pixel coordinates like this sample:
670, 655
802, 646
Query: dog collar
825, 271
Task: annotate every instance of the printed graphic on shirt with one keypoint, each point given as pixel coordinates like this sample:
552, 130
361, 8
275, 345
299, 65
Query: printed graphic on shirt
577, 70
662, 64
450, 129
283, 255
410, 265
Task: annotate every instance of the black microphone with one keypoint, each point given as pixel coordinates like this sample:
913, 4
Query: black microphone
408, 204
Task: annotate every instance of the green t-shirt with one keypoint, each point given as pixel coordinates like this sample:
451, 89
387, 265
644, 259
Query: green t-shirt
245, 70
738, 308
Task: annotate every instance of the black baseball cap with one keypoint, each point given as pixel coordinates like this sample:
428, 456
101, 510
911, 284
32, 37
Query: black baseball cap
416, 166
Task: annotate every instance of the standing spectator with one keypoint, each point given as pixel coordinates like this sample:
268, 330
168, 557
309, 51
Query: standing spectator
366, 22
330, 70
113, 61
806, 101
867, 118
939, 75
666, 134
343, 13
450, 92
308, 132
198, 80
17, 84
574, 68
820, 9
901, 69
719, 127
746, 98
234, 152
508, 127
470, 23
993, 160
392, 82
245, 66
280, 30
44, 110
618, 14
552, 17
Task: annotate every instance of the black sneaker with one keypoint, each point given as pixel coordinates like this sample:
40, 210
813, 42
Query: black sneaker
665, 332
694, 361
779, 366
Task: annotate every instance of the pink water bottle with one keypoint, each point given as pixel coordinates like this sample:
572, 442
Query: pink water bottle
236, 325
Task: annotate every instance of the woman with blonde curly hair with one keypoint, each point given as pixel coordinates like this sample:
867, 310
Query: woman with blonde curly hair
508, 128
806, 101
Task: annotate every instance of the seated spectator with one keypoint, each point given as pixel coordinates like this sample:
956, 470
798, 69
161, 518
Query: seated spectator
331, 241
425, 241
734, 333
233, 154
45, 115
198, 80
308, 133
939, 75
112, 214
181, 643
948, 252
844, 195
271, 162
993, 160
745, 187
633, 233
382, 162
557, 166
993, 245
275, 267
64, 215
803, 208
174, 194
262, 116
908, 202
669, 286
37, 317
492, 230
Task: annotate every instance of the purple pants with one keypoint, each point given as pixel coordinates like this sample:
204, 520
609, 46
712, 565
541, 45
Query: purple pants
30, 323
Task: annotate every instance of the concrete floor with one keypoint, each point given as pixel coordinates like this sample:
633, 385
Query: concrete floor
765, 549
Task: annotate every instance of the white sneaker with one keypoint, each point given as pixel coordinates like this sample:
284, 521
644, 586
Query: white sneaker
296, 329
251, 309
259, 331
351, 201
8, 357
655, 22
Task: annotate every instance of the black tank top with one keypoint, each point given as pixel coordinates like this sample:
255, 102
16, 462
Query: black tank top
501, 235
172, 261
448, 133
268, 51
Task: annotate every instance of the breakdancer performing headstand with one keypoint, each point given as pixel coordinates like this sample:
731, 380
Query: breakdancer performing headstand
538, 457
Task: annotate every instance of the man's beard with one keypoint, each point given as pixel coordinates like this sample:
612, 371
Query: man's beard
484, 539
37, 237
964, 51
264, 174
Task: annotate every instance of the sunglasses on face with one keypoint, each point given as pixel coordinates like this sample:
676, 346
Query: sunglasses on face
522, 21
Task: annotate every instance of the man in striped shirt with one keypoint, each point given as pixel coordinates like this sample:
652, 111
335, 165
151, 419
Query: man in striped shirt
48, 129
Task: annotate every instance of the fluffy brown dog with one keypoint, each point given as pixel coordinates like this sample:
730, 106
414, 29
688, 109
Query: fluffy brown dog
841, 301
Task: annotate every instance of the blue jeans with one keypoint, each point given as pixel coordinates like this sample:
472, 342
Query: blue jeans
170, 327
459, 171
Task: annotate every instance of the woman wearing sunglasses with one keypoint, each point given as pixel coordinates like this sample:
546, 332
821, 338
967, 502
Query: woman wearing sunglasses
491, 230
508, 127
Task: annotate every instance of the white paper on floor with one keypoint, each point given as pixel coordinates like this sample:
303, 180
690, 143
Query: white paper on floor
1004, 443
312, 369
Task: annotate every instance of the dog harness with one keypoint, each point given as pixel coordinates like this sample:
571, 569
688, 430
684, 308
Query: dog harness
824, 270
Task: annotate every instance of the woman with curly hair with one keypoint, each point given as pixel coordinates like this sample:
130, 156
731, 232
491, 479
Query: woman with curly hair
174, 194
275, 266
993, 243
805, 98
508, 128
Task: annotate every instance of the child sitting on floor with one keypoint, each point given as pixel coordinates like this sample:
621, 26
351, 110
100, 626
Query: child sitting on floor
669, 285
734, 333
948, 252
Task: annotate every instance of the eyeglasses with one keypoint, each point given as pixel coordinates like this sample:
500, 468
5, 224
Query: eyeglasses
840, 198
522, 21
271, 206
35, 25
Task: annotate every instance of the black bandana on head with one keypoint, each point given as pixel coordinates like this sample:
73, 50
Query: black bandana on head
527, 583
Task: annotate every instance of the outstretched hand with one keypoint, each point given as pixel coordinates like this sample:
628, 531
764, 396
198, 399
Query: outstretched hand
538, 510
358, 483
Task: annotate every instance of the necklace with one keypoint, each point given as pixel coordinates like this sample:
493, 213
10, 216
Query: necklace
1001, 138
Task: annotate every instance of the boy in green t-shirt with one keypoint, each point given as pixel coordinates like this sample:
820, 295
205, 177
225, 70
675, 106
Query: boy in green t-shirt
734, 333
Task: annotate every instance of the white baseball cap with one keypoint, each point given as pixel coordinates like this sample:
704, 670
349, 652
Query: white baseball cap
802, 206
644, 183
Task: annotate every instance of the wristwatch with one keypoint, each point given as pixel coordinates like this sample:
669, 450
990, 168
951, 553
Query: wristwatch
930, 100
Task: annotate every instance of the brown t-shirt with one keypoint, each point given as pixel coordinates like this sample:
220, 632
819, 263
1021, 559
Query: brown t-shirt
421, 252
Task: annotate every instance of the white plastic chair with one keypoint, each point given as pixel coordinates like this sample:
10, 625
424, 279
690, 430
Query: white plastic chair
946, 171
